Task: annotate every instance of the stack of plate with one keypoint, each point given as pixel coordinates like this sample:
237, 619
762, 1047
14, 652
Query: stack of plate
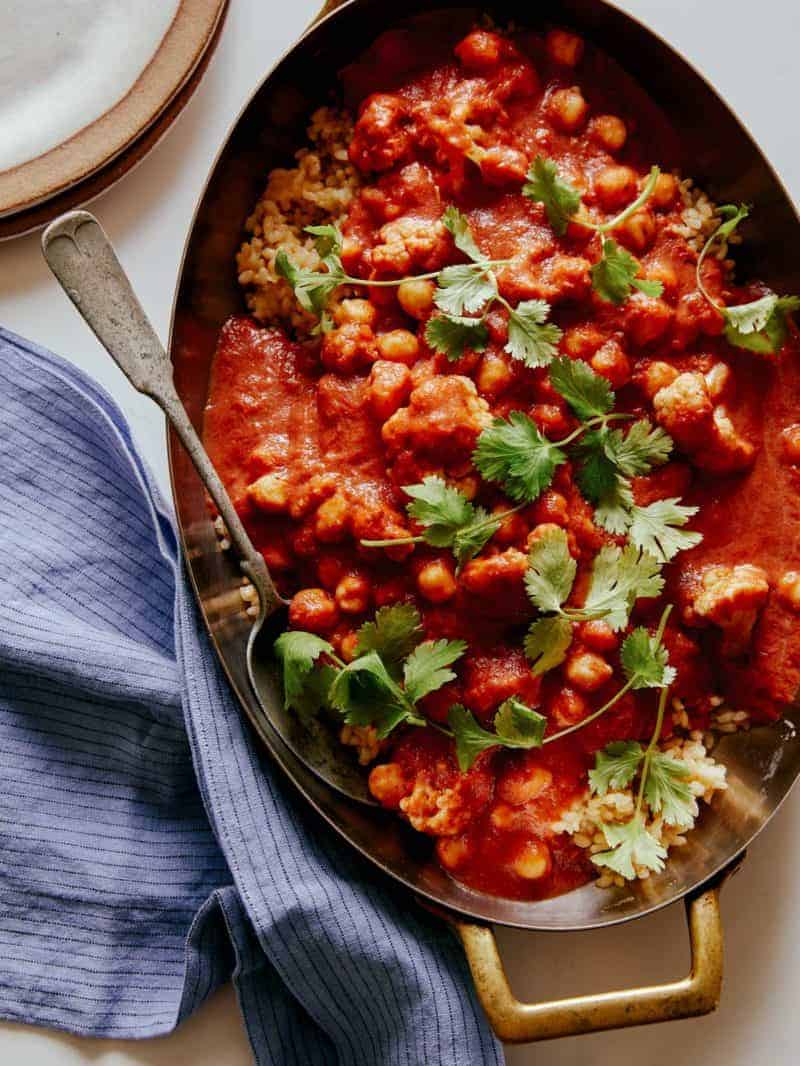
87, 87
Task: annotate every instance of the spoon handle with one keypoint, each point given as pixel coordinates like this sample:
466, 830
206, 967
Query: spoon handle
82, 258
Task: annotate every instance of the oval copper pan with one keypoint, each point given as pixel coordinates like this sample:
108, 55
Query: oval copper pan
720, 154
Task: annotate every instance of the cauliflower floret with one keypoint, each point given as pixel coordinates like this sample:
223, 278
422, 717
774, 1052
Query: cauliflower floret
382, 135
411, 243
443, 419
730, 597
364, 738
686, 410
446, 812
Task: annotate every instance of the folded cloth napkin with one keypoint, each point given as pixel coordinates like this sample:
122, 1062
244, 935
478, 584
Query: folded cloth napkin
148, 852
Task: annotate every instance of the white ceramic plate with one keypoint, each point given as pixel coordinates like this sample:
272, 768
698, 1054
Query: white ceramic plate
80, 80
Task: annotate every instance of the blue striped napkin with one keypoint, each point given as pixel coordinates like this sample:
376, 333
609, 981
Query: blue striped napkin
147, 853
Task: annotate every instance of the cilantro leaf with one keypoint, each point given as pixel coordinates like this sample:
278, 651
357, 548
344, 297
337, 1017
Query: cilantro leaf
426, 668
615, 766
519, 725
393, 634
588, 394
366, 694
440, 508
645, 662
450, 520
547, 642
312, 289
561, 200
628, 844
732, 216
614, 275
452, 335
328, 241
518, 456
640, 449
469, 540
613, 511
470, 737
298, 651
667, 790
530, 340
656, 528
551, 570
619, 577
464, 288
597, 474
458, 224
760, 326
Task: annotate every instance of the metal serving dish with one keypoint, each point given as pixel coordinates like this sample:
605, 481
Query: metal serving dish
762, 764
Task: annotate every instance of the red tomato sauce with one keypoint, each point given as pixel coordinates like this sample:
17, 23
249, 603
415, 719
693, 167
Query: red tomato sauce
343, 429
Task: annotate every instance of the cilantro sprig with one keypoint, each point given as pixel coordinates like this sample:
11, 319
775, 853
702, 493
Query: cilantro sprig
619, 577
470, 289
448, 518
616, 274
663, 785
760, 325
393, 670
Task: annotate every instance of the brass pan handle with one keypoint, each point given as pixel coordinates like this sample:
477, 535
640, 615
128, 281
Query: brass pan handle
517, 1023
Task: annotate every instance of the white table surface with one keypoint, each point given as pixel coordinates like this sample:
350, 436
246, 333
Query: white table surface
750, 54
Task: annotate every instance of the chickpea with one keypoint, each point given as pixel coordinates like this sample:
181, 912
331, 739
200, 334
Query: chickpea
552, 509
789, 590
270, 493
398, 346
790, 438
598, 636
646, 318
581, 342
512, 530
330, 570
351, 254
389, 388
360, 311
502, 165
587, 671
347, 647
452, 851
612, 363
656, 376
567, 109
416, 297
665, 273
387, 784
551, 418
480, 51
494, 375
332, 519
564, 47
609, 131
503, 816
568, 708
352, 594
313, 610
392, 590
665, 191
533, 861
637, 232
277, 557
436, 582
523, 785
467, 486
615, 186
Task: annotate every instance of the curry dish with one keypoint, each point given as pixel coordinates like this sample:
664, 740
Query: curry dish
522, 453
